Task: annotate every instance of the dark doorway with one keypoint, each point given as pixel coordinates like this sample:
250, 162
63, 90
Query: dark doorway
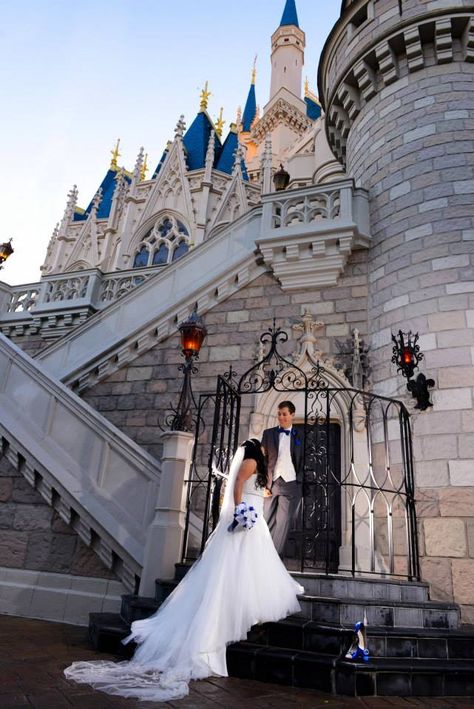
315, 535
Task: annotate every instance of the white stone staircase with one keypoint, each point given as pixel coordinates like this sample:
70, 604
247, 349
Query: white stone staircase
99, 481
147, 315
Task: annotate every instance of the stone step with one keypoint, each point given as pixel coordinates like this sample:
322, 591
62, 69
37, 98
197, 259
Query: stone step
298, 633
402, 614
137, 608
379, 677
106, 632
422, 643
362, 588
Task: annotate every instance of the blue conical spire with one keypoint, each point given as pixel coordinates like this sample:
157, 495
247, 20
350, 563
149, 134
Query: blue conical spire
290, 16
250, 109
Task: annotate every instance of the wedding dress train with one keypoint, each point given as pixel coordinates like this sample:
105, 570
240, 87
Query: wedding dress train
237, 582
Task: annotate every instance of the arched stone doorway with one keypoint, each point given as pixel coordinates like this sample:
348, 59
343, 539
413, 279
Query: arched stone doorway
357, 514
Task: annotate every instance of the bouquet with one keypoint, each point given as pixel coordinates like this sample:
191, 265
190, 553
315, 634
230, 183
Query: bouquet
245, 517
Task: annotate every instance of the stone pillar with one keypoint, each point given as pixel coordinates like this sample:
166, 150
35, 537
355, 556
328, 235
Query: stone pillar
165, 534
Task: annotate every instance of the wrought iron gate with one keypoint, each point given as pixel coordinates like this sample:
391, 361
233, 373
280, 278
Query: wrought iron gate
357, 511
218, 415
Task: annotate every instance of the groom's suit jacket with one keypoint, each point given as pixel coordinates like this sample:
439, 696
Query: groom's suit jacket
271, 441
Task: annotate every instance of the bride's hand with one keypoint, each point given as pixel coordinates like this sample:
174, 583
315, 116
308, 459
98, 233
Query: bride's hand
267, 492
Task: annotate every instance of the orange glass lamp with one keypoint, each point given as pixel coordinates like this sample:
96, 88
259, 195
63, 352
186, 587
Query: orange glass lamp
406, 355
6, 250
406, 352
192, 332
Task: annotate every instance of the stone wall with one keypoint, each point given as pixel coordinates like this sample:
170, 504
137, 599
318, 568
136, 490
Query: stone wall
136, 398
34, 537
412, 146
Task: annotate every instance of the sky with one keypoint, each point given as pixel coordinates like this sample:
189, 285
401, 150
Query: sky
75, 76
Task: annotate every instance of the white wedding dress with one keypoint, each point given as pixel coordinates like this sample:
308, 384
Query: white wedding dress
237, 582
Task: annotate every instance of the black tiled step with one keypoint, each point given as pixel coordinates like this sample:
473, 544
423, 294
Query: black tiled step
163, 589
387, 613
423, 643
296, 633
380, 676
362, 587
106, 632
137, 607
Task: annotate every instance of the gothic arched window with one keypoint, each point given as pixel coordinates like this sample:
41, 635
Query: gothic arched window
161, 255
141, 258
165, 242
180, 250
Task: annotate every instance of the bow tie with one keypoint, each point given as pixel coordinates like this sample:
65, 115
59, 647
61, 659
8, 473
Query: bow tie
287, 431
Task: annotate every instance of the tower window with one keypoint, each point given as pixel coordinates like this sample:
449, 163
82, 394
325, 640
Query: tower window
360, 16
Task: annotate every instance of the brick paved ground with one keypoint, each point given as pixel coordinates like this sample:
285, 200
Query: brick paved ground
33, 654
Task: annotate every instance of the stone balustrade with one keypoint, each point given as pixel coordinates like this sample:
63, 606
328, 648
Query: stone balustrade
98, 480
308, 234
55, 304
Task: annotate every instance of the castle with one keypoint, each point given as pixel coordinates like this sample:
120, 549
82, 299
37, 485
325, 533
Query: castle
373, 233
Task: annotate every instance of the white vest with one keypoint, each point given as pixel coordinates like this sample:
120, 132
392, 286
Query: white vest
284, 467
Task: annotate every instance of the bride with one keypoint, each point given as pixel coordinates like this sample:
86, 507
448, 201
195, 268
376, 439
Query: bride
237, 582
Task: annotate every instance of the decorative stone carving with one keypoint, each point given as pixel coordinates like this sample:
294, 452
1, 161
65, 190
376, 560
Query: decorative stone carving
284, 113
353, 360
308, 234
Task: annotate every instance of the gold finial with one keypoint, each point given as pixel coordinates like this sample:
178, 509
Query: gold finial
144, 169
220, 123
254, 70
115, 155
205, 93
306, 87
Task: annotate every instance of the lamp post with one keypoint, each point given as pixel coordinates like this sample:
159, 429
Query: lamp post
281, 179
406, 355
6, 250
192, 332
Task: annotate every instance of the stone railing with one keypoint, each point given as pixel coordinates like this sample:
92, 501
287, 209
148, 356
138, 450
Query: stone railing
307, 207
308, 234
98, 480
57, 303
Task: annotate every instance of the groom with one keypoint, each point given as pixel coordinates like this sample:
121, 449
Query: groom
284, 454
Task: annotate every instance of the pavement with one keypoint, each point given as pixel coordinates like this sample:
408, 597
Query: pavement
34, 653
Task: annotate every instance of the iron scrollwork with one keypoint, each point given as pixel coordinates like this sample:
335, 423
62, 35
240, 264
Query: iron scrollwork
274, 371
358, 482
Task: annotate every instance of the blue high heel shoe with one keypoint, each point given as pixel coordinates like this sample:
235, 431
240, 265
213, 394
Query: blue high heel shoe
359, 650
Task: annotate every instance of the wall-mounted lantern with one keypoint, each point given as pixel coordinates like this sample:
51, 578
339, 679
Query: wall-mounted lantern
407, 355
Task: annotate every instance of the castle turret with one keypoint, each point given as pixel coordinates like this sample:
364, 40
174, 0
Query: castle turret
396, 83
288, 44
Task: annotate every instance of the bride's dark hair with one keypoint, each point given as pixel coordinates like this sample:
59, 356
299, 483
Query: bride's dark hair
253, 450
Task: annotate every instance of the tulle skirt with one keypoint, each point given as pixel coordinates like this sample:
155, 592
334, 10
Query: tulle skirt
238, 581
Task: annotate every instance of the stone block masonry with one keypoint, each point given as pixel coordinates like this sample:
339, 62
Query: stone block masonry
234, 328
417, 120
33, 537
